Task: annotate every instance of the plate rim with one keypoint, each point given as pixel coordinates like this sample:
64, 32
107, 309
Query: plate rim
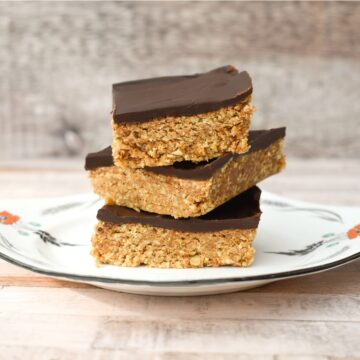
182, 283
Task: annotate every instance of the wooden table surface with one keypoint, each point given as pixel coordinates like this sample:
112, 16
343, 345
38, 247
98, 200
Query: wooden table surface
313, 317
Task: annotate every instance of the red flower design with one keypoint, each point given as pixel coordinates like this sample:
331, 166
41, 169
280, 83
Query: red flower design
354, 232
8, 219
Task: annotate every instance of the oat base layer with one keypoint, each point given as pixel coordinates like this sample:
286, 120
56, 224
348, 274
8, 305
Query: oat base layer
181, 198
136, 244
196, 138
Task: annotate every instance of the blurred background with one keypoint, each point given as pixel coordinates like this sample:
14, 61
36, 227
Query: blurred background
59, 59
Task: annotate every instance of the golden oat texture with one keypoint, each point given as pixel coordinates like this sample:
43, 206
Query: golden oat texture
164, 141
137, 244
140, 189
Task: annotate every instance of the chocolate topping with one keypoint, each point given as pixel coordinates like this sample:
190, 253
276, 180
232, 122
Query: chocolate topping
241, 212
102, 158
144, 100
258, 140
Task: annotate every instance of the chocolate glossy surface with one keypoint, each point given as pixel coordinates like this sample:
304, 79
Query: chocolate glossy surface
144, 100
241, 212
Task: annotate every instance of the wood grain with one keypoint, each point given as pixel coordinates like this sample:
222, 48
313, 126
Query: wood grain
11, 275
182, 335
59, 59
271, 305
41, 353
313, 317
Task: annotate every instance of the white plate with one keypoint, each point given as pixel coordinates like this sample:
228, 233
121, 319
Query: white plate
52, 237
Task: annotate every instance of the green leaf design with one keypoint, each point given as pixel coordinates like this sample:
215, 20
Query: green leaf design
332, 244
328, 235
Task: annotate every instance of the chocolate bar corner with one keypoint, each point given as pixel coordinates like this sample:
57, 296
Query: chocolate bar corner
224, 236
187, 189
160, 121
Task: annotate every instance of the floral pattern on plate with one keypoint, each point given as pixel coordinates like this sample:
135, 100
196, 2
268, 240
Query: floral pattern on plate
52, 237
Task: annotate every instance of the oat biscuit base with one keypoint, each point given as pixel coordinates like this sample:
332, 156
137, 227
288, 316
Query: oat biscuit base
144, 190
138, 244
164, 141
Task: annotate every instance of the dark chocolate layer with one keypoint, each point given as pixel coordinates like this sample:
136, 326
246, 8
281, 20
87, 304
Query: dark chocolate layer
258, 140
102, 158
241, 212
144, 100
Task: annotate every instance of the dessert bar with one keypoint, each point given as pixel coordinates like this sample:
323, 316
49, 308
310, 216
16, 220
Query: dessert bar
224, 236
186, 189
160, 121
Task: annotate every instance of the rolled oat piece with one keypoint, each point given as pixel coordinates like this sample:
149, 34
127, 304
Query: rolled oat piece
160, 121
186, 189
125, 237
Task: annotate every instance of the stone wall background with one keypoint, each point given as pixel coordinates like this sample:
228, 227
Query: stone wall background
59, 59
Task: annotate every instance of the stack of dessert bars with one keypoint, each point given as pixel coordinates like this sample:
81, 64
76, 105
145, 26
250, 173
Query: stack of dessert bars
179, 181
